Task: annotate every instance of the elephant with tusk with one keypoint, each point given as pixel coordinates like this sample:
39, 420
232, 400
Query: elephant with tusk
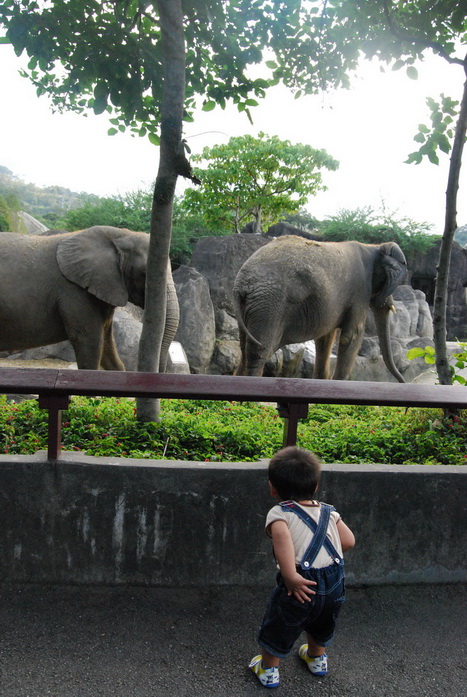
67, 286
293, 290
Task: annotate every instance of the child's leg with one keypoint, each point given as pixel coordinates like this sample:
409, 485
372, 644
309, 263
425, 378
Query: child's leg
269, 661
314, 649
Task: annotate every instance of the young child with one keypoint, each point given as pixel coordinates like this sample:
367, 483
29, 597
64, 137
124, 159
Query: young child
308, 539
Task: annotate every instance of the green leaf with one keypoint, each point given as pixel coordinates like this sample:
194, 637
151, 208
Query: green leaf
398, 65
416, 352
209, 106
112, 132
100, 104
412, 72
272, 65
444, 144
154, 139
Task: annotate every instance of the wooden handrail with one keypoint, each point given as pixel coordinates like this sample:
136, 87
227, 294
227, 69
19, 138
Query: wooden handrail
292, 395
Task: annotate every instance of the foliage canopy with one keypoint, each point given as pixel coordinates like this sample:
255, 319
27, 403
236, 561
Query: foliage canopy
259, 178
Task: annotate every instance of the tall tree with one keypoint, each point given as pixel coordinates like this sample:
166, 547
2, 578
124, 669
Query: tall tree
256, 179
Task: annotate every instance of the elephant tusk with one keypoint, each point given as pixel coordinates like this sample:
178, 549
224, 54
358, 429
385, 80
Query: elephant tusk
392, 308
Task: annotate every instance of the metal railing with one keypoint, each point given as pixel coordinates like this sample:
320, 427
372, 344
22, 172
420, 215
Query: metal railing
292, 395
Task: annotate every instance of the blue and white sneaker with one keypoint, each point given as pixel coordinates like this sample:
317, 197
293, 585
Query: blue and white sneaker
269, 677
317, 665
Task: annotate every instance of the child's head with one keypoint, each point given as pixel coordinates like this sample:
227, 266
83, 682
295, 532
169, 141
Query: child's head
294, 473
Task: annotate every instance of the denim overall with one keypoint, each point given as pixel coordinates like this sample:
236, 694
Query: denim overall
285, 616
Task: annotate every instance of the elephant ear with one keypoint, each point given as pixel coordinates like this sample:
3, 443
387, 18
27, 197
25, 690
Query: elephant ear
93, 259
389, 270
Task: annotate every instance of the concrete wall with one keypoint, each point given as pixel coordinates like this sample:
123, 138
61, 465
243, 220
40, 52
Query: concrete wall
115, 521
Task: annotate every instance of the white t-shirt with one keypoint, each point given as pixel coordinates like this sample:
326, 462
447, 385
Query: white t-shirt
302, 534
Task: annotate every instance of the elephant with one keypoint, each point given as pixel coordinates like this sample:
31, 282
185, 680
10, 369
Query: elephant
67, 285
294, 289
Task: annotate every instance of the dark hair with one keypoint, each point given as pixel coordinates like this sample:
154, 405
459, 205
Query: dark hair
294, 473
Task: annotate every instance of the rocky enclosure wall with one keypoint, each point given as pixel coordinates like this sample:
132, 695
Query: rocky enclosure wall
117, 521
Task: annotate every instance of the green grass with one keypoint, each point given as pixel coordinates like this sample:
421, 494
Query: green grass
233, 431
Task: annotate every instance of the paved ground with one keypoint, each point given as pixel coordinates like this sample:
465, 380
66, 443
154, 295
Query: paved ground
135, 642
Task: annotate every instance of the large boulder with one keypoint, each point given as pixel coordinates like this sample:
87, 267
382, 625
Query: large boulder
196, 330
219, 259
423, 271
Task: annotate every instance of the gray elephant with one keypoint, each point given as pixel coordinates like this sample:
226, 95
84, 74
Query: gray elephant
294, 289
67, 286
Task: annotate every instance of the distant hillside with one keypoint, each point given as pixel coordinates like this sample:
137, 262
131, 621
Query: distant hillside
45, 203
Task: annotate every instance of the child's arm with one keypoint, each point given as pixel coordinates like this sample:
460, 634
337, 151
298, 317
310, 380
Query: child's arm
285, 556
346, 535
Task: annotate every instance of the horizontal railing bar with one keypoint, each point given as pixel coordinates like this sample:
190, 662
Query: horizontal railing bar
228, 387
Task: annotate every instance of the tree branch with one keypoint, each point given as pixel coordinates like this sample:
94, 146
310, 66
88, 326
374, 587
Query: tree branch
442, 277
403, 35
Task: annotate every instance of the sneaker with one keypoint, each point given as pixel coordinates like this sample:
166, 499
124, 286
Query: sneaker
269, 677
317, 665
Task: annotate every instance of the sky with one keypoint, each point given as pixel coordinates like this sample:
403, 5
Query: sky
369, 129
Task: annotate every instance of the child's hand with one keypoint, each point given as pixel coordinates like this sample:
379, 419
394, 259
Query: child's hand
300, 588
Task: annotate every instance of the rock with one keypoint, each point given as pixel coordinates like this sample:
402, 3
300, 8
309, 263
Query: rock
62, 351
370, 348
127, 333
219, 259
226, 326
196, 330
308, 362
293, 357
422, 274
425, 322
226, 358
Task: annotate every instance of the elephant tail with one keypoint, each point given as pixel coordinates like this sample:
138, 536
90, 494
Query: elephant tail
239, 307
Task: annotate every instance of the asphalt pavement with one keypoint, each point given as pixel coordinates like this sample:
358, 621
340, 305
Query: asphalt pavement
154, 642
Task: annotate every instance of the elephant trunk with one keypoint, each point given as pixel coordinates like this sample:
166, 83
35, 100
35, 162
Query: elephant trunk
381, 315
172, 318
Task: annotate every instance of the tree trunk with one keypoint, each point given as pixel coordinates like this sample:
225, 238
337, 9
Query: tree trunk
442, 277
171, 163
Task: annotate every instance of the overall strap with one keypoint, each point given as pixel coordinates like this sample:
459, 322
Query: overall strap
319, 530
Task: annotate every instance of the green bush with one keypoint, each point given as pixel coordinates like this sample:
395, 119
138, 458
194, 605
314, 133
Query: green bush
233, 432
370, 226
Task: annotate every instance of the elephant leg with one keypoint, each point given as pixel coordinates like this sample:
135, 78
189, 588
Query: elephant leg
241, 370
255, 358
89, 330
88, 354
349, 344
323, 346
110, 360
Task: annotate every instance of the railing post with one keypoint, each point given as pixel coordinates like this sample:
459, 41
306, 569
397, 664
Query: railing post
54, 404
291, 412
